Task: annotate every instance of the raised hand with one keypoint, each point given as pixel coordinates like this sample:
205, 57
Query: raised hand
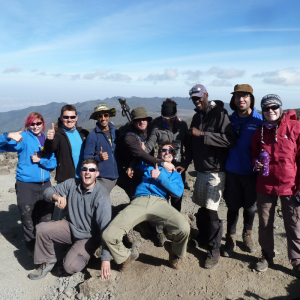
103, 155
180, 169
16, 136
35, 158
155, 173
51, 133
169, 167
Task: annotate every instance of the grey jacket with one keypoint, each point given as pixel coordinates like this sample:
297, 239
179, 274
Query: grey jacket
160, 134
88, 214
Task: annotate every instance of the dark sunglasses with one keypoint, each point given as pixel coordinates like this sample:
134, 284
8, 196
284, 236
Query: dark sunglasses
101, 116
169, 118
37, 124
171, 151
69, 117
85, 169
238, 130
273, 107
194, 90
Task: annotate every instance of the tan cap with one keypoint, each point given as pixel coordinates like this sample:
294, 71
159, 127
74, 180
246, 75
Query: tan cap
101, 108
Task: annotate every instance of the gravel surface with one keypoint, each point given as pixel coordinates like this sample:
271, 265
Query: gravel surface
150, 277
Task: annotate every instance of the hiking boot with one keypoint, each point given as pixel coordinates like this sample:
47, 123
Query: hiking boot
174, 260
212, 259
263, 263
42, 270
296, 271
248, 241
229, 246
134, 254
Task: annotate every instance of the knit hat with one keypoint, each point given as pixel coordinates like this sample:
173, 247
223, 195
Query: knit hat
140, 113
271, 99
265, 101
102, 108
242, 88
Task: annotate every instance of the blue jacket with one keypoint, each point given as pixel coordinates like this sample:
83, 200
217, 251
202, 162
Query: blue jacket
167, 182
239, 158
97, 139
27, 171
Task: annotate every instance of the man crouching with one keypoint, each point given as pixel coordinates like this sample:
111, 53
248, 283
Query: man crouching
150, 204
89, 212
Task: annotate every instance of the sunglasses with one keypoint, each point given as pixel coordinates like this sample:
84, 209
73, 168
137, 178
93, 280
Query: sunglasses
101, 116
37, 124
273, 107
171, 118
171, 151
85, 169
194, 90
69, 117
238, 130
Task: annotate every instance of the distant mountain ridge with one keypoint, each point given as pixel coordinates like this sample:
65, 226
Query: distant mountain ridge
14, 120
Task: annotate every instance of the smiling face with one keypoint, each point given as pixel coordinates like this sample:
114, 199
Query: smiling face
165, 154
242, 101
201, 103
89, 178
36, 127
103, 119
271, 115
140, 124
69, 118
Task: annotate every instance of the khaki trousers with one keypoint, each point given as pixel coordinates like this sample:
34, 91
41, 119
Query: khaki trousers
146, 208
77, 257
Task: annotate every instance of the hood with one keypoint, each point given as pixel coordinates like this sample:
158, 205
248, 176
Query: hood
289, 115
232, 104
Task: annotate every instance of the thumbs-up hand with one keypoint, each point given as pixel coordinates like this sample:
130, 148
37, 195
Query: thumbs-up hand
103, 155
155, 172
16, 136
51, 133
35, 158
143, 146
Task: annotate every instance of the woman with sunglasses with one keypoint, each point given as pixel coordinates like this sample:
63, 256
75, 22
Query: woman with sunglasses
280, 138
165, 128
33, 174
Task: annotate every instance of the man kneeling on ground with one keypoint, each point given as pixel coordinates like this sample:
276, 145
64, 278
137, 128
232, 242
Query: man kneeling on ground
149, 204
89, 212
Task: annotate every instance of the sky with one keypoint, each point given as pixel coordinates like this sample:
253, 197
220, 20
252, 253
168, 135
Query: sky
73, 50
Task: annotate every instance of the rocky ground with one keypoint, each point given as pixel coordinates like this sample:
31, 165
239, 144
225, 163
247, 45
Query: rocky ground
150, 277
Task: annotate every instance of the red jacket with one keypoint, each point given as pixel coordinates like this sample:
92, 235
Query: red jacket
284, 156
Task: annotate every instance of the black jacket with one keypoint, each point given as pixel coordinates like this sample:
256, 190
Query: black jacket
63, 152
209, 152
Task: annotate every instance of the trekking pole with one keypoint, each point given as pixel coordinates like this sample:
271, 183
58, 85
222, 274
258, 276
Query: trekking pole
125, 109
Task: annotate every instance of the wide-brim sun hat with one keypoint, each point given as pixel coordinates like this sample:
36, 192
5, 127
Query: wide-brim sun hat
102, 108
140, 113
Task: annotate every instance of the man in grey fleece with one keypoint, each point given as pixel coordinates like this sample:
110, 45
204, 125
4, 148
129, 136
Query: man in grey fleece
89, 212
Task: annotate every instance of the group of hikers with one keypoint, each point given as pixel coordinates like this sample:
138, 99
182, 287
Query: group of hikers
227, 153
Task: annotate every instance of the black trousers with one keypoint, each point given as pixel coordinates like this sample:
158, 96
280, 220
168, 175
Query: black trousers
33, 208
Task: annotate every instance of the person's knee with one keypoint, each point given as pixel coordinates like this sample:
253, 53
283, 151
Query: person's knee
109, 234
75, 265
42, 228
182, 224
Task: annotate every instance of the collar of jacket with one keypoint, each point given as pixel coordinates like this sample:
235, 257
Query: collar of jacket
211, 105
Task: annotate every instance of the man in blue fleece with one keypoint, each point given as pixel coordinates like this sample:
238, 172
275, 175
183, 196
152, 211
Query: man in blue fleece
150, 204
240, 183
89, 212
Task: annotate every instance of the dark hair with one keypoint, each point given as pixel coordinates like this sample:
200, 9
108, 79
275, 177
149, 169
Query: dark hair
69, 108
169, 100
31, 117
90, 161
166, 143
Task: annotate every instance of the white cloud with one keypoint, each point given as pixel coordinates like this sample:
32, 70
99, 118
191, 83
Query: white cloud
225, 74
192, 75
107, 75
283, 77
218, 82
34, 70
12, 70
75, 76
42, 73
168, 74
